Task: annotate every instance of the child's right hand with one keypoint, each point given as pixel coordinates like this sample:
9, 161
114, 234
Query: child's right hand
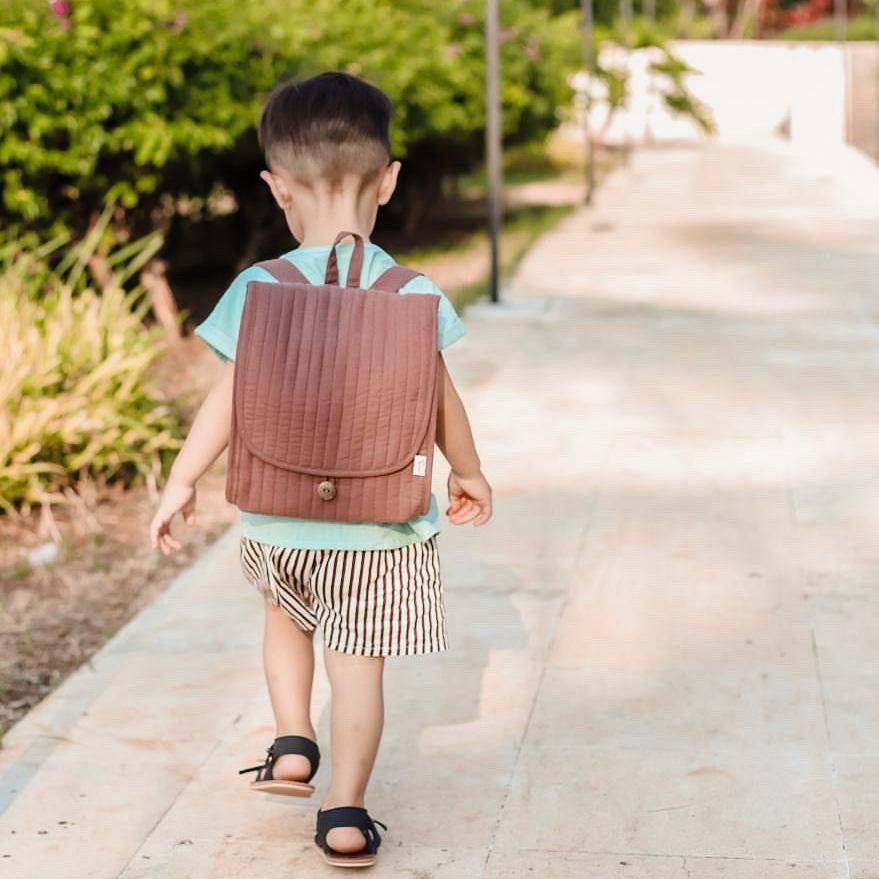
177, 497
469, 499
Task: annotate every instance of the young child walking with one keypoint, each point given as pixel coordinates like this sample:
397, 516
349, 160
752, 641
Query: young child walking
373, 587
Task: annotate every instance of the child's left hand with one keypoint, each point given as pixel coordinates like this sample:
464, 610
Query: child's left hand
469, 499
177, 497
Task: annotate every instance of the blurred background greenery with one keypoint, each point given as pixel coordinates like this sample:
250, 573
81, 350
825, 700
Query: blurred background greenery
122, 121
127, 122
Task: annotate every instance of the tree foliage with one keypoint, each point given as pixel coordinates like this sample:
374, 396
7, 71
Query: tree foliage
151, 100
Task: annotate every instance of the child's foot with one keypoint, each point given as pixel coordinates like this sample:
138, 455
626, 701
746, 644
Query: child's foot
290, 764
344, 839
291, 767
294, 767
348, 836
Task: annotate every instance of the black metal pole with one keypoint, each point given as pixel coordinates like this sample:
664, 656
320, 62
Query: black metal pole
840, 13
626, 18
587, 22
493, 141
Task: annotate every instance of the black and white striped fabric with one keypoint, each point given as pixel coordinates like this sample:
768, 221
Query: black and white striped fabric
382, 602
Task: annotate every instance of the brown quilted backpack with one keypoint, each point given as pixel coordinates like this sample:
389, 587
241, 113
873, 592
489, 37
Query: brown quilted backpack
335, 396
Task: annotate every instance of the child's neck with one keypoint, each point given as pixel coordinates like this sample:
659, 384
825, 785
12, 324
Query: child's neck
319, 239
325, 222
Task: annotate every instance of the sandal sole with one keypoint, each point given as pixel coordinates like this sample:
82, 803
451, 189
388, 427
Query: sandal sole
353, 861
283, 788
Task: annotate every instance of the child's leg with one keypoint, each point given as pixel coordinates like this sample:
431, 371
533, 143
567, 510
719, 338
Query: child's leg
288, 659
356, 729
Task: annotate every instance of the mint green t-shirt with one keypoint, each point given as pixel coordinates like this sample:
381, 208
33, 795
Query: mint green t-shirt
220, 331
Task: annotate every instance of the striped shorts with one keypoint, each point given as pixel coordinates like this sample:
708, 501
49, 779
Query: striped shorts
376, 602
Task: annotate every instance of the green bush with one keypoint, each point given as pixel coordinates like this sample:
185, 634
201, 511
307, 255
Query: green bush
126, 104
152, 104
75, 399
148, 101
861, 27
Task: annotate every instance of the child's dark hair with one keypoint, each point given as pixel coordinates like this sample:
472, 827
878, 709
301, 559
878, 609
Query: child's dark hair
329, 126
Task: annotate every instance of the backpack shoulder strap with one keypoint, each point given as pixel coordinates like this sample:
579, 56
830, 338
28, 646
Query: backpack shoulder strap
284, 271
392, 279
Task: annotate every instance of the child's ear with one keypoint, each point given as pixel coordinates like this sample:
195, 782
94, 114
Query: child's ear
388, 183
279, 189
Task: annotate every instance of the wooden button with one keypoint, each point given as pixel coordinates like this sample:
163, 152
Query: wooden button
326, 490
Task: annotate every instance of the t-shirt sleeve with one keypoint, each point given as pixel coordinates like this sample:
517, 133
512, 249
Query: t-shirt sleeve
450, 327
219, 330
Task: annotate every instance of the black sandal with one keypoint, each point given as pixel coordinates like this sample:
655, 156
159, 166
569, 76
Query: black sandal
266, 783
348, 816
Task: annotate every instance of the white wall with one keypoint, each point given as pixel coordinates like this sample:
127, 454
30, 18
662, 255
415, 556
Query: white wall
755, 89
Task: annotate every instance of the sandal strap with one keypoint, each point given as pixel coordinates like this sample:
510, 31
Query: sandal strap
287, 745
348, 816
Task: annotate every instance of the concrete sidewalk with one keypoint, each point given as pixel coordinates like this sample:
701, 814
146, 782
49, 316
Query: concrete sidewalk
664, 650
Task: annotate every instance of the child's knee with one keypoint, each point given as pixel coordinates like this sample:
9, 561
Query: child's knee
348, 666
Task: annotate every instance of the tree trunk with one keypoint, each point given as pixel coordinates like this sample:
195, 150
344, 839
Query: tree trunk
100, 269
257, 216
687, 14
747, 10
154, 279
423, 196
720, 18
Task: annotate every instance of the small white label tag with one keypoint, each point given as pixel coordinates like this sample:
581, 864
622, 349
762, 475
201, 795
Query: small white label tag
419, 465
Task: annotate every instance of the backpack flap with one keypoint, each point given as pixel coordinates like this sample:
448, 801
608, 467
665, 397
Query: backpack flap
334, 382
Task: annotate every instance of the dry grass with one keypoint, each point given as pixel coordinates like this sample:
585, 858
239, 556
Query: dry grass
53, 618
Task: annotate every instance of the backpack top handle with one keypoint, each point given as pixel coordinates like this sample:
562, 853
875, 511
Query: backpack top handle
332, 275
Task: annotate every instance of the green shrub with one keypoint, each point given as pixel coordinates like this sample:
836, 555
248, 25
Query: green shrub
147, 101
75, 399
670, 74
152, 104
125, 104
861, 27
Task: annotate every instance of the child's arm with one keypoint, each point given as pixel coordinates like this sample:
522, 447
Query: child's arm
469, 491
207, 438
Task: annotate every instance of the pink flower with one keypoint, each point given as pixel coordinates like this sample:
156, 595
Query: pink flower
61, 10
